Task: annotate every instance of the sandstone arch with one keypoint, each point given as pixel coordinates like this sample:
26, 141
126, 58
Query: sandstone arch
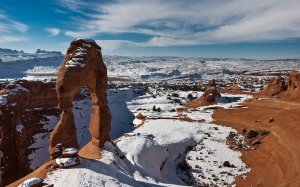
82, 66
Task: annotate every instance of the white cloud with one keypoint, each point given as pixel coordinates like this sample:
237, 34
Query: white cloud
190, 22
53, 31
109, 46
10, 30
8, 25
9, 38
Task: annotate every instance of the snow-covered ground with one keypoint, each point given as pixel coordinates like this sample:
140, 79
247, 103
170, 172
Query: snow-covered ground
40, 146
157, 151
147, 68
121, 123
166, 68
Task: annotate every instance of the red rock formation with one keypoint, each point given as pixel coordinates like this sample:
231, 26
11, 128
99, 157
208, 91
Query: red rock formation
17, 102
208, 98
82, 66
293, 86
140, 116
287, 90
275, 86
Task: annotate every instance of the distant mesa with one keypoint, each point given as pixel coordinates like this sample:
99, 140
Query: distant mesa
39, 51
10, 51
82, 66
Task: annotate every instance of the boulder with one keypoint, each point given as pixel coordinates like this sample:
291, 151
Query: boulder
57, 150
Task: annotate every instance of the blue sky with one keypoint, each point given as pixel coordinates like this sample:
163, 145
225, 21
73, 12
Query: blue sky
207, 28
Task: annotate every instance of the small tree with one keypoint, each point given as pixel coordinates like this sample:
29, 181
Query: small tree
190, 97
154, 108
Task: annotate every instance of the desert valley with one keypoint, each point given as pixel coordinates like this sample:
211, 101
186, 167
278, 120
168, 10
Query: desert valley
148, 121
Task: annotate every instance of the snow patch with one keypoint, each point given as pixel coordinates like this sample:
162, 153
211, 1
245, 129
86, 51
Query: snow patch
70, 151
74, 63
19, 128
67, 162
30, 182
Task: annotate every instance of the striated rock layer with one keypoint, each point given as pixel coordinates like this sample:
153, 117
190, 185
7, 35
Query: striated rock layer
23, 105
83, 66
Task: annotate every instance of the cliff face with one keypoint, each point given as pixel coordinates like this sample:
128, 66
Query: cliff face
275, 86
23, 105
289, 89
293, 86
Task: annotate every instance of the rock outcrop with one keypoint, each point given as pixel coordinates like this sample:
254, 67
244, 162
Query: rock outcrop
275, 86
23, 105
235, 88
278, 86
209, 97
293, 86
83, 66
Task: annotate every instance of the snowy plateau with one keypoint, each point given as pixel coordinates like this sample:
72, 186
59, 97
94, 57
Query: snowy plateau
167, 147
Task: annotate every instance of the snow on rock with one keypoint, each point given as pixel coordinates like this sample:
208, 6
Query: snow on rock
19, 128
67, 162
86, 45
3, 99
70, 152
10, 90
74, 63
137, 122
78, 57
31, 182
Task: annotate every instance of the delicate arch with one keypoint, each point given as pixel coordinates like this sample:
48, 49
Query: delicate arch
83, 66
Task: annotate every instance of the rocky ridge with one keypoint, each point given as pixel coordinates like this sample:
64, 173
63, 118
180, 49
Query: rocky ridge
284, 87
23, 105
